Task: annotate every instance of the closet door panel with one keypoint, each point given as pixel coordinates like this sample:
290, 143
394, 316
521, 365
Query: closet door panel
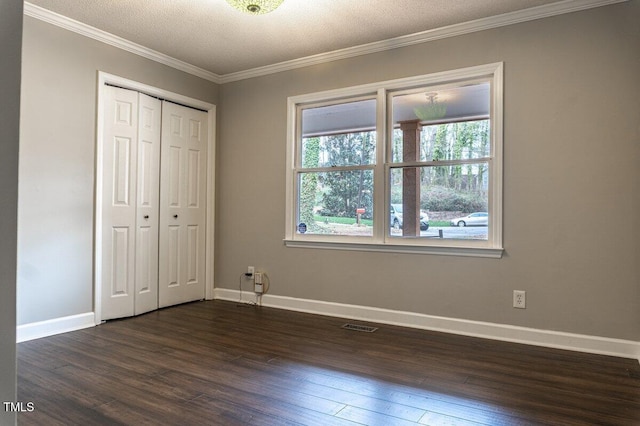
182, 206
120, 138
148, 204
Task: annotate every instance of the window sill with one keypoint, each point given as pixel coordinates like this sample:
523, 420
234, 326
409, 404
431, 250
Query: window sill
494, 253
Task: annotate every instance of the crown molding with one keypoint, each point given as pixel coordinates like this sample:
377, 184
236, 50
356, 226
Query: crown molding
115, 41
539, 12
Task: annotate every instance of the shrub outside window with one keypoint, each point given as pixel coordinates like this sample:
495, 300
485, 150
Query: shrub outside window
399, 165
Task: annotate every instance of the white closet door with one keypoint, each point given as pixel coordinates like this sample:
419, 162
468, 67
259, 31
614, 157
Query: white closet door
148, 204
119, 202
182, 204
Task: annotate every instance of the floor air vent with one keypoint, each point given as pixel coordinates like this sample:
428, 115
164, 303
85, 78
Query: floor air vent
356, 327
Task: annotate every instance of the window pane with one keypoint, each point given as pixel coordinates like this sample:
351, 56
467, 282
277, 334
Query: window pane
346, 149
450, 124
336, 203
453, 201
339, 135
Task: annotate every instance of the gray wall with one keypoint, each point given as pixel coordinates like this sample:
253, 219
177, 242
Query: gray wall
570, 188
57, 161
571, 182
10, 51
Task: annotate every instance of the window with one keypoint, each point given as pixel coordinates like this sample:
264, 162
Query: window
410, 165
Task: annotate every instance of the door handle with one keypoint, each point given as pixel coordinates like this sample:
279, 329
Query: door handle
146, 216
175, 216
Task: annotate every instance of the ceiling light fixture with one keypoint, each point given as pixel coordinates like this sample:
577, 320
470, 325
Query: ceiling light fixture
432, 110
255, 7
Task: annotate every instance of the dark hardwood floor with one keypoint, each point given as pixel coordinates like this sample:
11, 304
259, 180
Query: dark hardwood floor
220, 363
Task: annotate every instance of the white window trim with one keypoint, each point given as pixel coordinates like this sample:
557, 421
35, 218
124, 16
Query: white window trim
379, 242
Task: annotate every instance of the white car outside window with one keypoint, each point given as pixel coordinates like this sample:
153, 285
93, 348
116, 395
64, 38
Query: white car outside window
474, 219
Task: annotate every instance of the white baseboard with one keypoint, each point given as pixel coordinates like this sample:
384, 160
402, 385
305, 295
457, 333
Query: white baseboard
36, 330
487, 330
508, 333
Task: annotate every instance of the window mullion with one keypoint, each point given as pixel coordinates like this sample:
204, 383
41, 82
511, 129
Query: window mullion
440, 163
380, 190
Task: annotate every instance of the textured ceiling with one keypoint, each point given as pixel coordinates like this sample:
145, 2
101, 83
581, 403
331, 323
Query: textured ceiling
215, 37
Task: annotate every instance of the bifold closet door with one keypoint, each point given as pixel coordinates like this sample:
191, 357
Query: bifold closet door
130, 203
182, 204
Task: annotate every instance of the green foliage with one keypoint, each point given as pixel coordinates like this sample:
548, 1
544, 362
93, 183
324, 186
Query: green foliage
453, 187
439, 223
440, 199
348, 190
309, 183
443, 199
343, 220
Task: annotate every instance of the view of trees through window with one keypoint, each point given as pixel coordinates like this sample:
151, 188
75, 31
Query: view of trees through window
341, 201
448, 192
329, 201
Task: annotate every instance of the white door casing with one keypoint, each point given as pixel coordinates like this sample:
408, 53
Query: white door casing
183, 190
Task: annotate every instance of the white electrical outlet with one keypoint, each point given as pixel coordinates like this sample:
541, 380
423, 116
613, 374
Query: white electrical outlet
250, 271
519, 299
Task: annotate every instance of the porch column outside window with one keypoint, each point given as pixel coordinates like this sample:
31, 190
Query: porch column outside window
411, 178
